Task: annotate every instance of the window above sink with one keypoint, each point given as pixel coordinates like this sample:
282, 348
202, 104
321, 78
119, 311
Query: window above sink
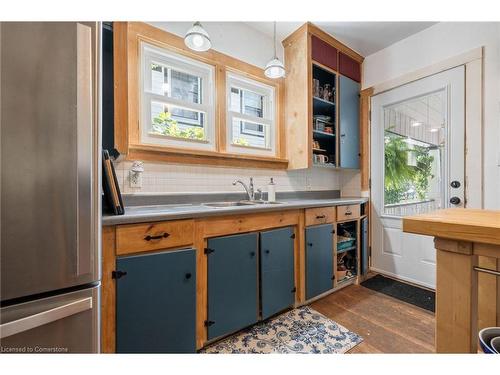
173, 104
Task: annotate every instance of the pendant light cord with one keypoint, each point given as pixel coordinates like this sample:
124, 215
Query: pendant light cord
275, 55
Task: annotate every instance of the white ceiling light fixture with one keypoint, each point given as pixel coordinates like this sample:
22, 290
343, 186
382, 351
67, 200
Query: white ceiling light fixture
197, 38
275, 68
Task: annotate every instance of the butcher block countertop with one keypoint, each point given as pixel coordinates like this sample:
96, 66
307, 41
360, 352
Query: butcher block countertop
464, 224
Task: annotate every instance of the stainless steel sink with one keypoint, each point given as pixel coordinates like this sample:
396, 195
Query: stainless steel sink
266, 202
239, 203
229, 204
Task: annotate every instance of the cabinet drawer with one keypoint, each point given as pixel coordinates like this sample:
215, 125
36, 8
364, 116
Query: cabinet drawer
347, 212
136, 238
320, 215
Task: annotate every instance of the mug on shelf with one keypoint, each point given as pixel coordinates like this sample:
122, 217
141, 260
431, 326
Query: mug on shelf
322, 159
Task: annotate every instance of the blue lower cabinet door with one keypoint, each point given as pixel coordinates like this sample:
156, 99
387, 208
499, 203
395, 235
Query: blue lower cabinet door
156, 303
319, 259
277, 287
232, 283
364, 246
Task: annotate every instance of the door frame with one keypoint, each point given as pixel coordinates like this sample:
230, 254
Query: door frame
473, 61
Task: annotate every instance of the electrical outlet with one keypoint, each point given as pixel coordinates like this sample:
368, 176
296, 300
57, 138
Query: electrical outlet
135, 175
135, 179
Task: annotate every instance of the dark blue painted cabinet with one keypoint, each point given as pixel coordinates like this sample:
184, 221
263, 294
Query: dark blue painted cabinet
277, 289
364, 246
232, 283
319, 259
349, 123
156, 303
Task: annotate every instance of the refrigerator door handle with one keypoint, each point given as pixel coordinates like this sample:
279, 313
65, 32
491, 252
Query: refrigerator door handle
45, 317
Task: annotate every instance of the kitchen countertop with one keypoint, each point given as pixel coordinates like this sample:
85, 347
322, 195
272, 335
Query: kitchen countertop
142, 214
457, 223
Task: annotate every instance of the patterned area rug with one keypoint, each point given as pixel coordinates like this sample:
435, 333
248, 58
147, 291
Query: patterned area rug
302, 330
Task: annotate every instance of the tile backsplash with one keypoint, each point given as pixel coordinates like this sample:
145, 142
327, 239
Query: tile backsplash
163, 178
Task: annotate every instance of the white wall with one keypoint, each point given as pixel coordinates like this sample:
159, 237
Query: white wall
235, 39
438, 43
245, 43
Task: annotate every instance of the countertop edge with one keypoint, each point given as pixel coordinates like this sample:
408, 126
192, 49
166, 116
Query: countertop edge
110, 220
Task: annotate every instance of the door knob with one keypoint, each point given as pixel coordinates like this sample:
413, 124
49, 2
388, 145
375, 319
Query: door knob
455, 200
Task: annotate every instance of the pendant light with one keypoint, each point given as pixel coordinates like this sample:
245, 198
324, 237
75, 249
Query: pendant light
197, 38
275, 68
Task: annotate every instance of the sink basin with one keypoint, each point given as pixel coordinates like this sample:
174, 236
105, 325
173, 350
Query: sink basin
229, 204
266, 202
165, 208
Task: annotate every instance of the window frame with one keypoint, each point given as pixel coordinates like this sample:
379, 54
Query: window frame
127, 39
151, 54
268, 119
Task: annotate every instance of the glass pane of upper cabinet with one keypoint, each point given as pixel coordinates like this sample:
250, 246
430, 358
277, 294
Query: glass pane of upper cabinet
414, 137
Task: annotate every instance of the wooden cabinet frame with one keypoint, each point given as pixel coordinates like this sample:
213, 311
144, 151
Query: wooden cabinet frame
127, 38
203, 229
299, 91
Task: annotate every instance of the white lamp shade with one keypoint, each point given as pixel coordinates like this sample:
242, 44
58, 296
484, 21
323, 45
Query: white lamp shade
275, 69
197, 38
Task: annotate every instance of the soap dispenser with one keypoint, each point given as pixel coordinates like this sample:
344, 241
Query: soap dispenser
271, 191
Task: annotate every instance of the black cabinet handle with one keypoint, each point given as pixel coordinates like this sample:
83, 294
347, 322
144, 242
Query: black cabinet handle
309, 244
117, 274
267, 251
187, 276
320, 216
455, 200
158, 237
252, 254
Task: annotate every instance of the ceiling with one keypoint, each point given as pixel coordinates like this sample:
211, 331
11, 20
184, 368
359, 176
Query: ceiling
364, 37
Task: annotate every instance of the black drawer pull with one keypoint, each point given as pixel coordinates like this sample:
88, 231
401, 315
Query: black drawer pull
309, 244
267, 251
320, 216
252, 254
188, 275
158, 237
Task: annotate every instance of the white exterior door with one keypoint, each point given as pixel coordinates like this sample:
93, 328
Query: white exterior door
417, 165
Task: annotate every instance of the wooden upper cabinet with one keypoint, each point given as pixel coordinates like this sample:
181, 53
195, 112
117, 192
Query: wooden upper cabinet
312, 120
349, 67
324, 53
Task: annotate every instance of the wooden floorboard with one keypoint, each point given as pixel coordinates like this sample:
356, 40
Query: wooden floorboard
386, 324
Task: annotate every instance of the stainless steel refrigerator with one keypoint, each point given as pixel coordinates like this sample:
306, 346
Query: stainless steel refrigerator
50, 187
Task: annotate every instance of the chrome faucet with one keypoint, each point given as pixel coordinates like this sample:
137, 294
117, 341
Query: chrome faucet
249, 189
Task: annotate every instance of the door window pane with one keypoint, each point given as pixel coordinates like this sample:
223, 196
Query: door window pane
414, 144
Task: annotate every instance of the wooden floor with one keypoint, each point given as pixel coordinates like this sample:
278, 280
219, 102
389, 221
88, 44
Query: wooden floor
386, 324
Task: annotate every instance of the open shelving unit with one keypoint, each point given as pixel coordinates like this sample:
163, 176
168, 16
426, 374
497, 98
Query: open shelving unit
325, 113
346, 251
